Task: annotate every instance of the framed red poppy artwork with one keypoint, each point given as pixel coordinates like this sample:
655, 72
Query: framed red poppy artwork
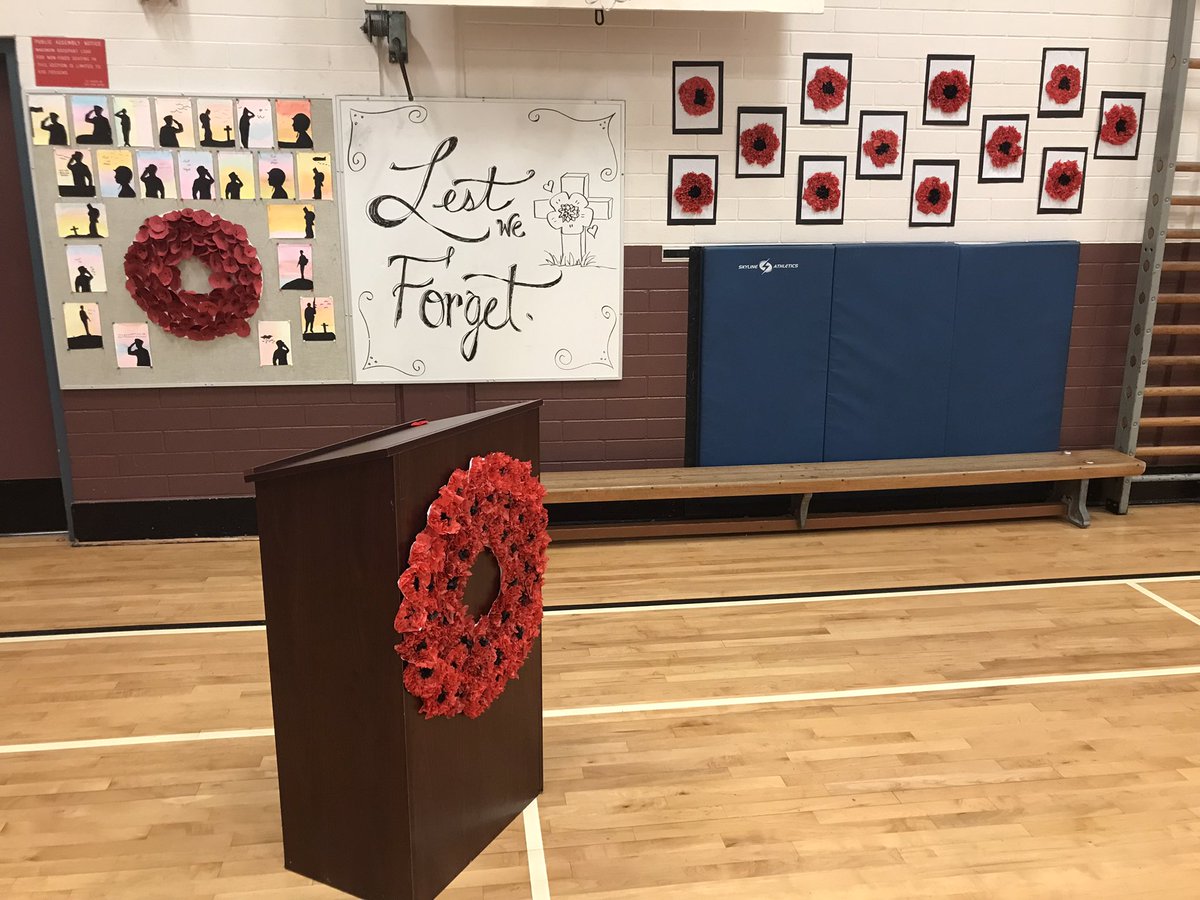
692, 190
1063, 170
698, 97
821, 196
948, 82
761, 141
1119, 132
1063, 82
826, 89
934, 193
1003, 149
881, 136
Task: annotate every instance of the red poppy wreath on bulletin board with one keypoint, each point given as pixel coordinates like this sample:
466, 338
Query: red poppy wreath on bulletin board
949, 91
697, 97
695, 192
235, 274
827, 88
457, 663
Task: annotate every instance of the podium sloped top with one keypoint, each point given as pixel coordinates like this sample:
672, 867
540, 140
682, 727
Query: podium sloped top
387, 442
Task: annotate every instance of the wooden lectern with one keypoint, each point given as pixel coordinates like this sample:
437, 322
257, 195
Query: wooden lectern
376, 800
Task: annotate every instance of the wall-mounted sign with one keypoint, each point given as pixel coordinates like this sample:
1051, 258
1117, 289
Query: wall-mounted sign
70, 62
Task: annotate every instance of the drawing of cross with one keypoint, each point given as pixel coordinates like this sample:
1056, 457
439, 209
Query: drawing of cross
601, 207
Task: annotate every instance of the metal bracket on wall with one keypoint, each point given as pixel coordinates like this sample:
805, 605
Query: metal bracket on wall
391, 25
1158, 210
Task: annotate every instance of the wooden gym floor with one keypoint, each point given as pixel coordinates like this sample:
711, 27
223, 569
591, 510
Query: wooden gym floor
892, 740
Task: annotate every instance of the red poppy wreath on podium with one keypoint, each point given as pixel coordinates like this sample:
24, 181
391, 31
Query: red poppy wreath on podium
457, 663
235, 274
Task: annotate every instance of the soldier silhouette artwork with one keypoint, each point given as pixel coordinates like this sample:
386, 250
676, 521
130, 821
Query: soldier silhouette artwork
233, 187
202, 184
82, 183
83, 285
101, 128
310, 219
56, 130
155, 189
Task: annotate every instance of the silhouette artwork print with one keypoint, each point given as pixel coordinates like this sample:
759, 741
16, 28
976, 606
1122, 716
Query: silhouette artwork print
318, 183
310, 219
293, 259
80, 337
101, 128
276, 178
126, 126
310, 317
233, 187
202, 184
155, 189
93, 214
317, 311
123, 175
83, 284
138, 350
300, 124
280, 357
82, 183
168, 135
56, 130
244, 127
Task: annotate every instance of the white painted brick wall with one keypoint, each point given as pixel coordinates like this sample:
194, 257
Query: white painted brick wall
314, 47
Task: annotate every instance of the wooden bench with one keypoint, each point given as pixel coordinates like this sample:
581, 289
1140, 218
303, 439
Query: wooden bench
1069, 470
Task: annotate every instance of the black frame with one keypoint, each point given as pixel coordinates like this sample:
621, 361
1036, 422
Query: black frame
800, 190
1105, 96
925, 120
1041, 211
1063, 113
720, 105
780, 111
983, 139
849, 60
858, 154
912, 194
716, 161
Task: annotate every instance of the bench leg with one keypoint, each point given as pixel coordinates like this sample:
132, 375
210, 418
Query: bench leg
1075, 495
800, 506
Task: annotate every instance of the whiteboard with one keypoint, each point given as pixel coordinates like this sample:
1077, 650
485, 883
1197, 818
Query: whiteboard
483, 239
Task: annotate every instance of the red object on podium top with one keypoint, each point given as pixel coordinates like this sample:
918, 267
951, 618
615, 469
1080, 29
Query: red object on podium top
70, 62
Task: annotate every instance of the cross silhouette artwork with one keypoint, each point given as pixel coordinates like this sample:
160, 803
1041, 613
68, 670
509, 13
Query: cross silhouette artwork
572, 211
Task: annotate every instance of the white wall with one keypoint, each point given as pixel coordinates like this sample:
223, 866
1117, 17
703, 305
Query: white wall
314, 47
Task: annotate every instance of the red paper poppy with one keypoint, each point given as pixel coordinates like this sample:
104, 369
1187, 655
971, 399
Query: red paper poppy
759, 144
695, 192
1064, 179
456, 663
1120, 125
823, 192
883, 148
933, 196
1004, 146
949, 91
1065, 83
153, 280
697, 96
827, 88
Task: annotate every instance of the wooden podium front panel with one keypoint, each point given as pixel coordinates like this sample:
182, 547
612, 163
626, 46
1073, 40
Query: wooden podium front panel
469, 778
329, 582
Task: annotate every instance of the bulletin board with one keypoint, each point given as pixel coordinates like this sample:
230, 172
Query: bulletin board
105, 164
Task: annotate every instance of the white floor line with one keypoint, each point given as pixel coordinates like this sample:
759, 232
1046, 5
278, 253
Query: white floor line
1165, 602
137, 740
866, 595
539, 881
708, 703
936, 688
145, 632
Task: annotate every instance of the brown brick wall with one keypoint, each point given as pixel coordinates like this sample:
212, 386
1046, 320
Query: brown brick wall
196, 442
1099, 332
